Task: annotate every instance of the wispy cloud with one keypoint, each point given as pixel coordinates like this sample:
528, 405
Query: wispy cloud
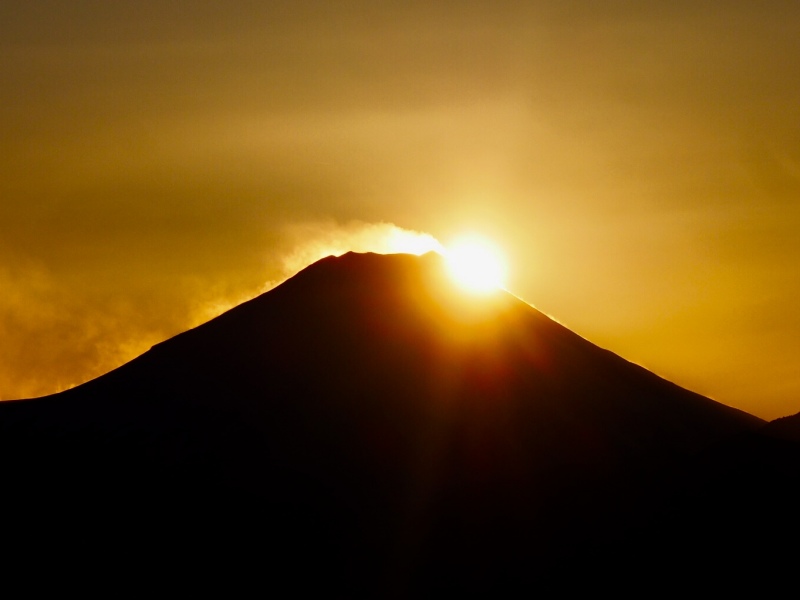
310, 242
56, 336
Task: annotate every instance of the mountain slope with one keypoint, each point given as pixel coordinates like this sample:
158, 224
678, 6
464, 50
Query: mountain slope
367, 421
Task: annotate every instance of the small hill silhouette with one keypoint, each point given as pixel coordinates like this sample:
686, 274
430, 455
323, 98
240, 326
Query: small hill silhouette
364, 428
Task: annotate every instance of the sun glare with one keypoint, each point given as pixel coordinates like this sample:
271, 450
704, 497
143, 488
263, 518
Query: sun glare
476, 265
411, 242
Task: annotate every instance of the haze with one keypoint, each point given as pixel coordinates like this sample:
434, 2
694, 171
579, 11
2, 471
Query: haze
638, 164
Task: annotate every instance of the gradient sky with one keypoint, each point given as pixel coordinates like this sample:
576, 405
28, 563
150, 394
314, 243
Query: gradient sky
638, 162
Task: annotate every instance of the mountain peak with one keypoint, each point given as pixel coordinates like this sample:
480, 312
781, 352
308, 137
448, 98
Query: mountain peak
364, 409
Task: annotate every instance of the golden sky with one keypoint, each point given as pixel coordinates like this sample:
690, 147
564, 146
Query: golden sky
637, 162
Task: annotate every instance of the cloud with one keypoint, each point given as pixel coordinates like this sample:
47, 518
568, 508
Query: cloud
56, 334
310, 242
53, 338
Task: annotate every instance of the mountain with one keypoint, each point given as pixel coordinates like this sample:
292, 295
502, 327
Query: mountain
363, 427
786, 428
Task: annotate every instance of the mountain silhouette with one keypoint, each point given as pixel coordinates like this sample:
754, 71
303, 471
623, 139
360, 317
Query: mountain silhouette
366, 428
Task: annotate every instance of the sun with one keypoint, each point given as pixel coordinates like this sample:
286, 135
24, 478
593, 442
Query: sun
476, 265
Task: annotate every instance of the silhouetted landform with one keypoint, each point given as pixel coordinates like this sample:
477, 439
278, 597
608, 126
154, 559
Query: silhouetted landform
367, 429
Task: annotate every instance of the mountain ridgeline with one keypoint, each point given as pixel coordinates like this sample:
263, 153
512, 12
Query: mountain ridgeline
366, 428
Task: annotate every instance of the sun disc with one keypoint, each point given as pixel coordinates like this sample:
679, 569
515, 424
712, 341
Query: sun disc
476, 265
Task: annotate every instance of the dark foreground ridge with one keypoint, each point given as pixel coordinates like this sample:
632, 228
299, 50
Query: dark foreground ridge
364, 428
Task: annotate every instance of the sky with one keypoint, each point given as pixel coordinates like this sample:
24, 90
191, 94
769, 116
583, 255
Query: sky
637, 162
